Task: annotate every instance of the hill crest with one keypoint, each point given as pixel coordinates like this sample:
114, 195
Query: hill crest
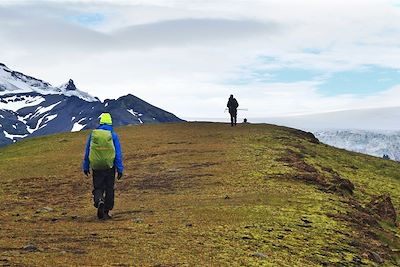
201, 194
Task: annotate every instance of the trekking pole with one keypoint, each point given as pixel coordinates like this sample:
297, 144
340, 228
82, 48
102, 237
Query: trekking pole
242, 109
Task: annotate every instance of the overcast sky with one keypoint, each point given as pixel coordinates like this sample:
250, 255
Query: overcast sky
278, 57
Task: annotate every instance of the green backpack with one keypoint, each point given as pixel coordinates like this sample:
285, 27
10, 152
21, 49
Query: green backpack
102, 150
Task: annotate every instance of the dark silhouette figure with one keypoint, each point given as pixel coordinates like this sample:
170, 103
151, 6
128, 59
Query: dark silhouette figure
232, 107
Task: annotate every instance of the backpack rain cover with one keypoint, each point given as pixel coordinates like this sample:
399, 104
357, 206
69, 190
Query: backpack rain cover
102, 150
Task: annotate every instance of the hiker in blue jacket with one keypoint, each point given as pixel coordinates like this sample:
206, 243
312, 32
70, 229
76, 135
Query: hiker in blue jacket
104, 156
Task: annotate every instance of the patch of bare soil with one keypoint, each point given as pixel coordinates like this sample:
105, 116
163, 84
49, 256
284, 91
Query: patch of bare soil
308, 173
51, 191
305, 136
368, 231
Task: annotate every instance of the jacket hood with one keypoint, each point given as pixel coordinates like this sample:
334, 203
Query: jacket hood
105, 127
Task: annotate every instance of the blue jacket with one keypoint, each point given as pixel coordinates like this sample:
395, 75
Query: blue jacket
117, 145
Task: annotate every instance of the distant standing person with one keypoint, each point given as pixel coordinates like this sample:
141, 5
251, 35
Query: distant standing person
232, 107
103, 155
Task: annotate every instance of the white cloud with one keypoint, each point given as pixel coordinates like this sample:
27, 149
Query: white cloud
181, 55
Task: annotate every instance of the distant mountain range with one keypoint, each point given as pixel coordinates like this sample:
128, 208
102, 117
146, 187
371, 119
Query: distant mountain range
33, 107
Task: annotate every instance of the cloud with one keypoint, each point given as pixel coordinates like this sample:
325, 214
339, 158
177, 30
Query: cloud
188, 56
25, 31
192, 32
37, 31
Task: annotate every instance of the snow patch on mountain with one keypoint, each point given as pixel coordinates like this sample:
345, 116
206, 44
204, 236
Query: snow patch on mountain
15, 102
24, 119
13, 136
42, 122
134, 113
50, 118
78, 126
40, 110
37, 127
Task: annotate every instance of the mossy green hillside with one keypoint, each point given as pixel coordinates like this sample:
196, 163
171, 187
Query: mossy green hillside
197, 194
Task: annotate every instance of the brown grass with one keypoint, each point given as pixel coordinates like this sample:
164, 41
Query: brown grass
193, 194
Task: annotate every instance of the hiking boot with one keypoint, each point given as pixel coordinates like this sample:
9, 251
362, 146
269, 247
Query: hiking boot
107, 216
100, 210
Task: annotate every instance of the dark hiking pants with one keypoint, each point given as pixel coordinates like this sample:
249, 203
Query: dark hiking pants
233, 117
103, 187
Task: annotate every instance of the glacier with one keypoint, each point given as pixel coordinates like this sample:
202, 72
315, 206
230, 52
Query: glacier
374, 143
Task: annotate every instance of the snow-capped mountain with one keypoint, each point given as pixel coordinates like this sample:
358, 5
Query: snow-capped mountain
362, 141
33, 107
69, 89
14, 82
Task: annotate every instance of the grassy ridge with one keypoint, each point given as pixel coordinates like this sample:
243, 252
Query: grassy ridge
197, 194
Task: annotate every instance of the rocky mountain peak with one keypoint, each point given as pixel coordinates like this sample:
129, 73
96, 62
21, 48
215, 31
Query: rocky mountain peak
70, 86
32, 107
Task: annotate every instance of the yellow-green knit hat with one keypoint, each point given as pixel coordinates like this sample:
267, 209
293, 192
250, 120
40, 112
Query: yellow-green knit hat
105, 118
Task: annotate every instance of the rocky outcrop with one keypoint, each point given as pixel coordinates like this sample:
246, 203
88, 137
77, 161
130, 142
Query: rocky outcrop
382, 208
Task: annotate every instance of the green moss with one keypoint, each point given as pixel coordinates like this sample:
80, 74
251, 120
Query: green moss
194, 194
